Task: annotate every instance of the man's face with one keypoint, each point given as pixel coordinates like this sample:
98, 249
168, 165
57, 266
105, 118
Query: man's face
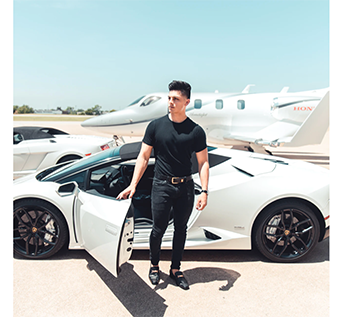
177, 102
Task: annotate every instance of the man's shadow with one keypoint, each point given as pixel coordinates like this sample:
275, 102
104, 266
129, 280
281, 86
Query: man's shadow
132, 292
203, 275
141, 299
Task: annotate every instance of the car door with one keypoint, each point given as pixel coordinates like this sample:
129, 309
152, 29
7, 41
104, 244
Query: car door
105, 228
39, 149
20, 153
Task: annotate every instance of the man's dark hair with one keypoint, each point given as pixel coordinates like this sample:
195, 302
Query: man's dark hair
182, 86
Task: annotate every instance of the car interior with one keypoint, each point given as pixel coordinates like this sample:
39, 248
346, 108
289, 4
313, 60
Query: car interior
112, 179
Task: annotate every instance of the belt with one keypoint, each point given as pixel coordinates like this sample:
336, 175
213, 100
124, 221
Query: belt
175, 180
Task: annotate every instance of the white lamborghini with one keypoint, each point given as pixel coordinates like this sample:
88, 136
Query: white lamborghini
280, 206
35, 148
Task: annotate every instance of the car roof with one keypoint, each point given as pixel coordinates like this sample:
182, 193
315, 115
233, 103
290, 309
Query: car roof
32, 133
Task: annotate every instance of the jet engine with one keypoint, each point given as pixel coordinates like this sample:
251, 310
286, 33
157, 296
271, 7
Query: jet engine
293, 109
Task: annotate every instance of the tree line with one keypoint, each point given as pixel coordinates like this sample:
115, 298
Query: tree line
95, 110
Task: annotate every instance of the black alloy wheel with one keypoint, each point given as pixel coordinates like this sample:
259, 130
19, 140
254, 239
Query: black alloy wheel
286, 232
39, 229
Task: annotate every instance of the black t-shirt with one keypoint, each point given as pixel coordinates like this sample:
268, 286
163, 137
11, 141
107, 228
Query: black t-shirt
173, 145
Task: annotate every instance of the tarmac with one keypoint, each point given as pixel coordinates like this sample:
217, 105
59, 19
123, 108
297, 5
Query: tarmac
222, 283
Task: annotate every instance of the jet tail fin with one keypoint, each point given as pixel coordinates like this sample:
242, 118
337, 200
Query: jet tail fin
315, 126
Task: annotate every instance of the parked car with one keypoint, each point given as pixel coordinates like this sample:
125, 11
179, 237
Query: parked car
280, 206
35, 148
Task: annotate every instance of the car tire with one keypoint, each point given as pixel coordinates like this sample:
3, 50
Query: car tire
286, 231
39, 229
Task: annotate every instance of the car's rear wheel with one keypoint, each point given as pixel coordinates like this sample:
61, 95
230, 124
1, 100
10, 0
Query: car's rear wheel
286, 231
39, 229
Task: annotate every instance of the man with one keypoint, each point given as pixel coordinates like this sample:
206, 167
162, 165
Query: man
174, 138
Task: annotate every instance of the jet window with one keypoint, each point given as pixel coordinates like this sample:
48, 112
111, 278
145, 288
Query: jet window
198, 104
219, 104
149, 101
240, 104
136, 101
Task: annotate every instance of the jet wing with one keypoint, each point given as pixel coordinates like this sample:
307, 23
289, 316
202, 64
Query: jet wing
268, 135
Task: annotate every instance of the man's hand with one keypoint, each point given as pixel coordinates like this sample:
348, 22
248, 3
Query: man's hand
140, 167
202, 201
129, 191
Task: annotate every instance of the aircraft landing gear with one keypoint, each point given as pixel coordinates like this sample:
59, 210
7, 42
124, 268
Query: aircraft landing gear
258, 149
253, 148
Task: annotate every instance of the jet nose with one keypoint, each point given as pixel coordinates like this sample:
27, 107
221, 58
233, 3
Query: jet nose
115, 118
93, 122
128, 120
88, 123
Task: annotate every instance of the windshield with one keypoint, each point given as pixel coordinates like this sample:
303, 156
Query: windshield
149, 101
77, 166
51, 169
136, 101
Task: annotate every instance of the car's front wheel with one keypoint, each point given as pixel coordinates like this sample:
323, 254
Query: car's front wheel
286, 231
39, 229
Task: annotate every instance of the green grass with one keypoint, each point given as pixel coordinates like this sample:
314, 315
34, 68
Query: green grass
50, 118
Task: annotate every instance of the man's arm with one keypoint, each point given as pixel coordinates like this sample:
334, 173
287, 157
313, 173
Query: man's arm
203, 169
140, 167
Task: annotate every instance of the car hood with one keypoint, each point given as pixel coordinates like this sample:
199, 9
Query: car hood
252, 164
72, 140
256, 164
24, 179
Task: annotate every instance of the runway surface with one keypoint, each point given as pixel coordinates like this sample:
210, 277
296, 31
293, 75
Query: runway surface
222, 283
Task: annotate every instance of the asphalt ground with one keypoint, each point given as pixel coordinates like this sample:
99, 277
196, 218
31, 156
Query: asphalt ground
222, 283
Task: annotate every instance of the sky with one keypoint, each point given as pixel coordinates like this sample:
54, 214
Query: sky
75, 53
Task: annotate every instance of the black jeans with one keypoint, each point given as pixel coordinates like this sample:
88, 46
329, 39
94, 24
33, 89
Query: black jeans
164, 197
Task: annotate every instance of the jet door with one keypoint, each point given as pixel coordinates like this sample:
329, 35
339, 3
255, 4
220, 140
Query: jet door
105, 228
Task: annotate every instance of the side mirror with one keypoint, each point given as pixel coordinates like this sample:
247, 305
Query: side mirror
67, 189
17, 138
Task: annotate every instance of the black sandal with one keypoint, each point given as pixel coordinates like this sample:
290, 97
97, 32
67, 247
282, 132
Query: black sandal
180, 280
154, 275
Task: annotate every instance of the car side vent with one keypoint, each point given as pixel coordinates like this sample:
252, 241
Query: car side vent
242, 171
210, 235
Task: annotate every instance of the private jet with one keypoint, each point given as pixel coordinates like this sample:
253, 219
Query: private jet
254, 120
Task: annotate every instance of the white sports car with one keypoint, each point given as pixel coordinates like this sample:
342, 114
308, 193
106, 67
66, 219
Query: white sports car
35, 148
280, 206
